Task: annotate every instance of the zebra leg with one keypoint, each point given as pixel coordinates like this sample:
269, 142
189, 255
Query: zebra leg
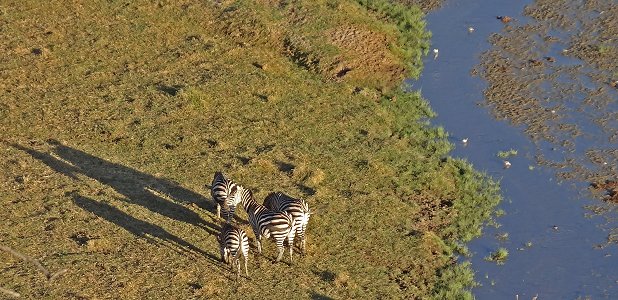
244, 251
301, 237
225, 255
237, 263
230, 213
280, 248
291, 243
303, 240
259, 243
303, 243
233, 267
246, 257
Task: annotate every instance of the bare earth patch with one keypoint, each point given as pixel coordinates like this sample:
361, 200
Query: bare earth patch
365, 52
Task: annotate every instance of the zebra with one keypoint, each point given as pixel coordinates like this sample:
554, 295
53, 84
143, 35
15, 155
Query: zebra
220, 190
265, 222
234, 243
298, 208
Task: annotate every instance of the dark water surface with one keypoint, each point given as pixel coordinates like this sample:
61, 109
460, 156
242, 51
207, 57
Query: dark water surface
564, 261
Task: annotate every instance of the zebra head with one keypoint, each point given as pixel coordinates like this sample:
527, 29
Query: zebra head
218, 174
235, 195
239, 194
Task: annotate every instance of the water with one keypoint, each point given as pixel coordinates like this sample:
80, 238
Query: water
564, 261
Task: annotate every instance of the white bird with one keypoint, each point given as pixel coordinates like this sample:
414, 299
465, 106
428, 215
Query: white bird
471, 29
435, 53
465, 141
507, 164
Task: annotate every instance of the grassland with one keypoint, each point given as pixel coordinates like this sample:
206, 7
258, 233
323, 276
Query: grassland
114, 115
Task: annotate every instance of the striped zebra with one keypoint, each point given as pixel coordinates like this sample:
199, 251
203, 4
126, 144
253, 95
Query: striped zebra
220, 190
298, 208
234, 243
265, 222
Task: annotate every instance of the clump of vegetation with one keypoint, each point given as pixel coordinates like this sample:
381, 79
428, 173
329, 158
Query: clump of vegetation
508, 153
503, 236
499, 256
605, 48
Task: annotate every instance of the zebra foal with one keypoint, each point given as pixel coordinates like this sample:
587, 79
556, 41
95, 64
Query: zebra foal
234, 243
298, 208
265, 222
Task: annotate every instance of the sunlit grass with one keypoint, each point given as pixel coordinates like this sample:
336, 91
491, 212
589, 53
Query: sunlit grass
218, 90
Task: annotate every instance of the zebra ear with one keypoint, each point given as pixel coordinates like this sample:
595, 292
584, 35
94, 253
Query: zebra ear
233, 190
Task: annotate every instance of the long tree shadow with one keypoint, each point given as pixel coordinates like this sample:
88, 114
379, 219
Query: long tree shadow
152, 233
138, 188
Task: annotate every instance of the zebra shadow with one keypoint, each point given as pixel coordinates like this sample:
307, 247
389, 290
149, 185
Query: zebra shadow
158, 195
150, 232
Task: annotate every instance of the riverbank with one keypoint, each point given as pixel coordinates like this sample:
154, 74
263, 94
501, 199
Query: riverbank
116, 115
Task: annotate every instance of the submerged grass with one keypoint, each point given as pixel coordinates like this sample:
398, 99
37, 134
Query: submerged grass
108, 143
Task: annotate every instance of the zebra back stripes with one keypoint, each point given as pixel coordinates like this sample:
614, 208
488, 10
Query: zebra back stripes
234, 243
265, 222
298, 208
220, 190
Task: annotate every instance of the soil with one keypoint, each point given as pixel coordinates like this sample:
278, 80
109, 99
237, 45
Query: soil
367, 52
556, 77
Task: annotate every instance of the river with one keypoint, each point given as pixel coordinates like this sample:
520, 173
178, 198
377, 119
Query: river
552, 238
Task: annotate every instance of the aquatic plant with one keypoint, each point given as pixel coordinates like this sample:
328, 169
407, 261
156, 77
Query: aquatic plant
508, 153
499, 256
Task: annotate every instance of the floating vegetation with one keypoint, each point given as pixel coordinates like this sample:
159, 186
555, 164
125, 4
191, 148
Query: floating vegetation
503, 236
499, 256
505, 154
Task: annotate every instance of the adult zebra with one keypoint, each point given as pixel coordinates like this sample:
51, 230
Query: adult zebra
220, 190
234, 243
298, 208
265, 222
